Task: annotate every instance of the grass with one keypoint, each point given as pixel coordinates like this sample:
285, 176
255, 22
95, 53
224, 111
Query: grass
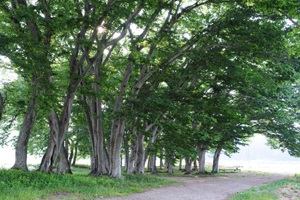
15, 184
272, 191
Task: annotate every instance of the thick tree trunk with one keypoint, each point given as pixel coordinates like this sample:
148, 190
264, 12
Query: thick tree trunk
180, 163
101, 166
64, 164
215, 168
140, 166
58, 131
170, 168
202, 152
133, 152
93, 115
151, 152
28, 123
152, 165
188, 165
195, 168
117, 129
131, 160
47, 162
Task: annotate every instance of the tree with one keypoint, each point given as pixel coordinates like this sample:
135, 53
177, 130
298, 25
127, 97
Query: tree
148, 76
1, 105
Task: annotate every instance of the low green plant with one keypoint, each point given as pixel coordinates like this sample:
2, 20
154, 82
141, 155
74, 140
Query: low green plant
15, 184
269, 191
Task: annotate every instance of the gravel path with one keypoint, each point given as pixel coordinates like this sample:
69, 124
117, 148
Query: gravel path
206, 188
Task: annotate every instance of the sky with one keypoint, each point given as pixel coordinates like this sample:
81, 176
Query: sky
258, 156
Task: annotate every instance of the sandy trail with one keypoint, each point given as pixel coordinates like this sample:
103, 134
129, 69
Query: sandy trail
206, 188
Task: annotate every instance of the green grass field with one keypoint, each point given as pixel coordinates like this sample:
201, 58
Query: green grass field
15, 184
21, 185
288, 189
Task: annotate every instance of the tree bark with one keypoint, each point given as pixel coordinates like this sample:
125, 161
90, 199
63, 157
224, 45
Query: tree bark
75, 154
170, 168
202, 152
152, 166
140, 166
117, 130
215, 168
133, 152
28, 123
188, 165
195, 168
126, 152
64, 164
161, 163
47, 162
180, 163
70, 158
93, 113
1, 105
58, 131
151, 152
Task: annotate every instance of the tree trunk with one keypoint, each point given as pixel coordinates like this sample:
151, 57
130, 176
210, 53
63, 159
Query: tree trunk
28, 123
140, 166
195, 168
161, 162
93, 115
215, 168
64, 164
1, 106
152, 152
58, 131
126, 152
180, 163
47, 162
75, 154
170, 168
133, 152
117, 129
188, 165
100, 153
152, 165
202, 151
71, 153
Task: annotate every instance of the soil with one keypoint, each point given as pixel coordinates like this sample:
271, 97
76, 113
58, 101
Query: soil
212, 188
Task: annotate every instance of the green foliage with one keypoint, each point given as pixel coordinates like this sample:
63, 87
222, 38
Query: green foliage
220, 66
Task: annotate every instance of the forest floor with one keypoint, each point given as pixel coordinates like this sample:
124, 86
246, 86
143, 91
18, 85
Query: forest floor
219, 187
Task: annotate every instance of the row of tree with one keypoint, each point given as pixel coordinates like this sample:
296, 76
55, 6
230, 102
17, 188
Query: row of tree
167, 78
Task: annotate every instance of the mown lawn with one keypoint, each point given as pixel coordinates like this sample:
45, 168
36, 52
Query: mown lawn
15, 184
282, 189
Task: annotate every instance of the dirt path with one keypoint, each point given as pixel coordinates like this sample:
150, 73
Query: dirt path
212, 188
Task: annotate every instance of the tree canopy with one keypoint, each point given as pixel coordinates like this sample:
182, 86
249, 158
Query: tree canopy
148, 77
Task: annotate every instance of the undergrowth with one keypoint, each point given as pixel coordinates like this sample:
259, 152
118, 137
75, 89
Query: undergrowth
15, 184
270, 191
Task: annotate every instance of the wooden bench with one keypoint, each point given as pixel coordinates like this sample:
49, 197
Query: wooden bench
230, 169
